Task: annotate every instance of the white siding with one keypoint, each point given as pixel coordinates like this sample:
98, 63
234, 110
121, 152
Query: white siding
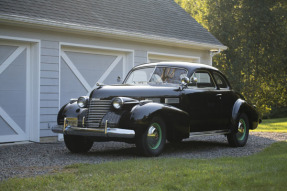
140, 57
49, 86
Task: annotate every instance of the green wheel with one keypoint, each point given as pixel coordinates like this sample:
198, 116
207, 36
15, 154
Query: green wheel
154, 136
151, 141
240, 137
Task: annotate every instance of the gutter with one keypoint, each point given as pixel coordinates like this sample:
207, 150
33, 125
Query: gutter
213, 52
104, 32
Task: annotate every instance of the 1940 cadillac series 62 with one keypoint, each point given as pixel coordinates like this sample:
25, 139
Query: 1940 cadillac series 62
158, 102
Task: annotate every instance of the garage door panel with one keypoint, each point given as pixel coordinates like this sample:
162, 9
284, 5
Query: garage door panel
91, 66
81, 70
14, 75
71, 87
117, 71
5, 52
13, 90
5, 128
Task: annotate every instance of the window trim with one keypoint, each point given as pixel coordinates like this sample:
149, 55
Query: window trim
171, 68
155, 67
221, 75
211, 78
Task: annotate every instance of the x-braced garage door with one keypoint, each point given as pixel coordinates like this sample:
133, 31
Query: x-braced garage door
82, 69
14, 83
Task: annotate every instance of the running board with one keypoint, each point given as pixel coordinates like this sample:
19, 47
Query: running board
207, 133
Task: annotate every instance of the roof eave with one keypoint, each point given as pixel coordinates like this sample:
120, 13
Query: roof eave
105, 32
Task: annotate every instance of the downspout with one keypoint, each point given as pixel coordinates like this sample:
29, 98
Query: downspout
213, 52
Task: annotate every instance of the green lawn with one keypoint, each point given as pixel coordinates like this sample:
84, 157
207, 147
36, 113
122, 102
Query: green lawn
273, 125
266, 170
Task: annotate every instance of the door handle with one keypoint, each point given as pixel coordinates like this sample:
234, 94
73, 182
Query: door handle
218, 94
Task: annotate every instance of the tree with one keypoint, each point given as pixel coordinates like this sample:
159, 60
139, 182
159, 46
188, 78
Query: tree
255, 33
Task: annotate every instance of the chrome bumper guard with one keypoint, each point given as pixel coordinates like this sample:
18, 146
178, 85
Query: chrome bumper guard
71, 129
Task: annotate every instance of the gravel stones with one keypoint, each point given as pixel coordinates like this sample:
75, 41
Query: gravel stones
22, 160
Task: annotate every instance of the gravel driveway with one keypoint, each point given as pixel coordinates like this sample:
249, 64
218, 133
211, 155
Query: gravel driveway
41, 158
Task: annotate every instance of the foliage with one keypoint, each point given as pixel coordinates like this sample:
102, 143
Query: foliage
264, 171
255, 33
273, 125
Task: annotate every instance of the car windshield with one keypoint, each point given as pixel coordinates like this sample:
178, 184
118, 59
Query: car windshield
156, 76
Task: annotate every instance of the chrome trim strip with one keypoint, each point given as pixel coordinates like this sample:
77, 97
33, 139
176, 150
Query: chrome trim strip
85, 129
171, 100
207, 133
106, 126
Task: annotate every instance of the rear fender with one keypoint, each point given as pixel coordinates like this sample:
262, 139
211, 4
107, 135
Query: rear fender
241, 106
176, 120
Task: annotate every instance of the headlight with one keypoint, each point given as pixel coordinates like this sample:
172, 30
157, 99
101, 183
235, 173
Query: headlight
117, 103
83, 101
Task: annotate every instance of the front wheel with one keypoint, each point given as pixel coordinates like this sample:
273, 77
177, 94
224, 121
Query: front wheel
151, 141
77, 144
239, 137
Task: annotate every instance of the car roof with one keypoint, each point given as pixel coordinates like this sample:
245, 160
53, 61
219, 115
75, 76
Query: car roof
188, 65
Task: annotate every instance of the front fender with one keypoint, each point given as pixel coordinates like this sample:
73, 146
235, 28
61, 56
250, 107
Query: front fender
71, 110
241, 106
176, 120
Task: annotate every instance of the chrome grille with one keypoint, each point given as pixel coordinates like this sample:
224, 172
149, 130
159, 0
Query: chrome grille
97, 110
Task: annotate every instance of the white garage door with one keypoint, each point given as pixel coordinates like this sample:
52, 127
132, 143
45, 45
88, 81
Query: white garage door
14, 64
81, 70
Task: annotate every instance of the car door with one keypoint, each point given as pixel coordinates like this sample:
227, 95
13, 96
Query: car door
203, 102
227, 98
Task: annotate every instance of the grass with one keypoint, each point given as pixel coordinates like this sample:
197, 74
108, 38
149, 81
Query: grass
266, 170
273, 125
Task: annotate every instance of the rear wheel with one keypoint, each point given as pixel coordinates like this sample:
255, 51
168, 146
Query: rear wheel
239, 138
151, 141
77, 144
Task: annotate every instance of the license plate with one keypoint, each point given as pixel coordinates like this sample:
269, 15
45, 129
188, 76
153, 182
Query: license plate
70, 121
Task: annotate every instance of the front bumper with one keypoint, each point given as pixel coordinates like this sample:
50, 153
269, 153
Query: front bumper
94, 132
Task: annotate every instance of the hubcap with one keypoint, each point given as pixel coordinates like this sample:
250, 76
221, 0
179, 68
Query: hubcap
241, 130
154, 136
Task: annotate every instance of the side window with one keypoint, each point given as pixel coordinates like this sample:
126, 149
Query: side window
220, 81
140, 76
168, 75
204, 80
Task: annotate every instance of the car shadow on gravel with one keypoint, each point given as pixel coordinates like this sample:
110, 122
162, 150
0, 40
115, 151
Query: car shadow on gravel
199, 147
114, 149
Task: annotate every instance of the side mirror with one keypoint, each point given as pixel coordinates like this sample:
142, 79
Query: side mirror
184, 81
193, 80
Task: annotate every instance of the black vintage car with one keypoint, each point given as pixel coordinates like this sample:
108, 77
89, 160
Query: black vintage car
158, 102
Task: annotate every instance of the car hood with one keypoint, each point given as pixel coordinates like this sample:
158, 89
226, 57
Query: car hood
136, 92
